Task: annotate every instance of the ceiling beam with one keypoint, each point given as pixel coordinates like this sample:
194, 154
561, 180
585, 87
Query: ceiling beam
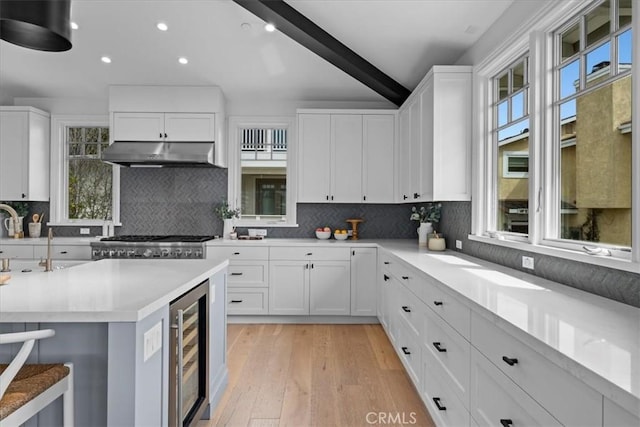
299, 28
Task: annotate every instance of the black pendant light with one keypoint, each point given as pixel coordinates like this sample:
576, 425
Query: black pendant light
37, 24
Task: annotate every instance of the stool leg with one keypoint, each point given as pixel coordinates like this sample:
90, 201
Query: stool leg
67, 400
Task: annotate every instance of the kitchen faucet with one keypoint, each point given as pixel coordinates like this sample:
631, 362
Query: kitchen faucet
48, 263
14, 217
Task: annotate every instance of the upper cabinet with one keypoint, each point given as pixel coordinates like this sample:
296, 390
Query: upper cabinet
24, 154
192, 127
346, 157
169, 113
435, 137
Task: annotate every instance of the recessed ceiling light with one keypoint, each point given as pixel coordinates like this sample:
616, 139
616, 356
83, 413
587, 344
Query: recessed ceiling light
270, 27
74, 26
106, 59
183, 60
245, 26
162, 26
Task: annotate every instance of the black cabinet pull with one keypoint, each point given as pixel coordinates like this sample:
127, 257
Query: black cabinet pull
405, 277
404, 197
506, 423
353, 253
327, 197
236, 253
24, 196
64, 252
309, 253
331, 197
236, 301
311, 265
236, 274
416, 196
165, 135
364, 198
386, 263
405, 350
437, 303
160, 135
306, 266
436, 400
440, 349
406, 309
385, 277
509, 361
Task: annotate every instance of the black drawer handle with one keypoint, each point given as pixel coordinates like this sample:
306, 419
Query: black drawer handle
64, 252
506, 423
437, 303
440, 349
405, 277
236, 301
436, 400
386, 263
309, 253
385, 277
406, 309
509, 361
236, 253
405, 350
236, 274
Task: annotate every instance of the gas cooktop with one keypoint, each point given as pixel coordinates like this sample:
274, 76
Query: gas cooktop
159, 239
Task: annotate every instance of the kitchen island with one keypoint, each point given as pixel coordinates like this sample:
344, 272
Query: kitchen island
101, 311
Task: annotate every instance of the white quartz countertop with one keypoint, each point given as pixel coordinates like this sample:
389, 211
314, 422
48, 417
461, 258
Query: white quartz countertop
56, 240
594, 338
332, 243
101, 291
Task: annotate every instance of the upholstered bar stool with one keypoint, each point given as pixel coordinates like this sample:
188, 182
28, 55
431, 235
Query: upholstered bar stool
27, 389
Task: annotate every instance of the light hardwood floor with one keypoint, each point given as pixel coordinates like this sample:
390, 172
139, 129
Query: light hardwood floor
315, 375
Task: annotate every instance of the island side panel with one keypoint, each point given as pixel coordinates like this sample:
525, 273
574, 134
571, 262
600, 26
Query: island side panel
138, 389
84, 345
218, 373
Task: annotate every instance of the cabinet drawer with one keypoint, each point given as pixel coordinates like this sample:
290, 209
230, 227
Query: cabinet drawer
247, 301
410, 308
64, 251
496, 400
248, 274
408, 348
449, 352
408, 276
568, 399
444, 405
448, 308
310, 253
238, 252
615, 416
16, 251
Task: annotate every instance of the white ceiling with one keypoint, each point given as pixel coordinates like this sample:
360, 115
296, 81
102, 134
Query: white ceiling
403, 38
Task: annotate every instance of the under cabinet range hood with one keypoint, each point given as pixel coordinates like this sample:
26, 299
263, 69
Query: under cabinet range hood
160, 154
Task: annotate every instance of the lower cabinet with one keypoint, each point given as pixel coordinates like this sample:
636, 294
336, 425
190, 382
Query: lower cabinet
247, 301
289, 287
615, 416
16, 251
363, 281
60, 252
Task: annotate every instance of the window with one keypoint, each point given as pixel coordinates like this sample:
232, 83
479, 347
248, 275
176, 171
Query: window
82, 184
260, 178
559, 119
511, 145
592, 108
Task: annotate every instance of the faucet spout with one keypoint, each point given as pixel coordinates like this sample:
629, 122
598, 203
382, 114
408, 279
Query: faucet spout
14, 217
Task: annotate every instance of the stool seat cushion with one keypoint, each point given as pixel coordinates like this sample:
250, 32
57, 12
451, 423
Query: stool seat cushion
30, 381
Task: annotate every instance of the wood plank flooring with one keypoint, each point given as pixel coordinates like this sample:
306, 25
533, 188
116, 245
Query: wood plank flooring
315, 375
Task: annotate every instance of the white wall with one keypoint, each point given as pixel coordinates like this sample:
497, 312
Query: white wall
271, 107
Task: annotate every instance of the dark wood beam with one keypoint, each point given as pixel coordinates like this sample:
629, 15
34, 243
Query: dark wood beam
301, 29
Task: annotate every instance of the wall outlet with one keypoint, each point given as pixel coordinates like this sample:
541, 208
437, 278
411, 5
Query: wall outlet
152, 340
459, 244
85, 230
527, 262
261, 232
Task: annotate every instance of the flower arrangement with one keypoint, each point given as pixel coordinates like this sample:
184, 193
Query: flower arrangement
430, 213
225, 212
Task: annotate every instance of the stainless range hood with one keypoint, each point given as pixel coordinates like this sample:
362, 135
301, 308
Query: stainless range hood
160, 154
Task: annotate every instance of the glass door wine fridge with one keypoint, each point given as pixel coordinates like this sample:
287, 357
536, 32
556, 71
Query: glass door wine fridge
188, 357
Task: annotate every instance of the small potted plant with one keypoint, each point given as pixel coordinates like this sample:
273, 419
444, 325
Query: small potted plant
427, 216
227, 215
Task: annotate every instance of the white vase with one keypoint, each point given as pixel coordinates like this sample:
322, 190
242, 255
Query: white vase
424, 229
227, 228
9, 225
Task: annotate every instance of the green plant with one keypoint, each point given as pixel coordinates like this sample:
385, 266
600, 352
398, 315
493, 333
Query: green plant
225, 212
430, 213
21, 208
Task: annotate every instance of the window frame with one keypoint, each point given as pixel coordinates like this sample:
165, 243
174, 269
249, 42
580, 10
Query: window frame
537, 36
236, 123
59, 210
506, 173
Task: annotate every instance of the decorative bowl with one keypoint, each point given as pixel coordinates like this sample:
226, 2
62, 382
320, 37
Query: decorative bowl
323, 235
340, 236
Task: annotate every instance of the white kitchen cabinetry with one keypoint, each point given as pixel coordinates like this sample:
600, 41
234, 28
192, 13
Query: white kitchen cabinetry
308, 280
62, 252
615, 416
363, 281
435, 137
247, 278
191, 127
16, 251
346, 157
24, 154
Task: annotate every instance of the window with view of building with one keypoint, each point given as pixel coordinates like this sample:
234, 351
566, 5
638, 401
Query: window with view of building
260, 185
593, 132
511, 145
